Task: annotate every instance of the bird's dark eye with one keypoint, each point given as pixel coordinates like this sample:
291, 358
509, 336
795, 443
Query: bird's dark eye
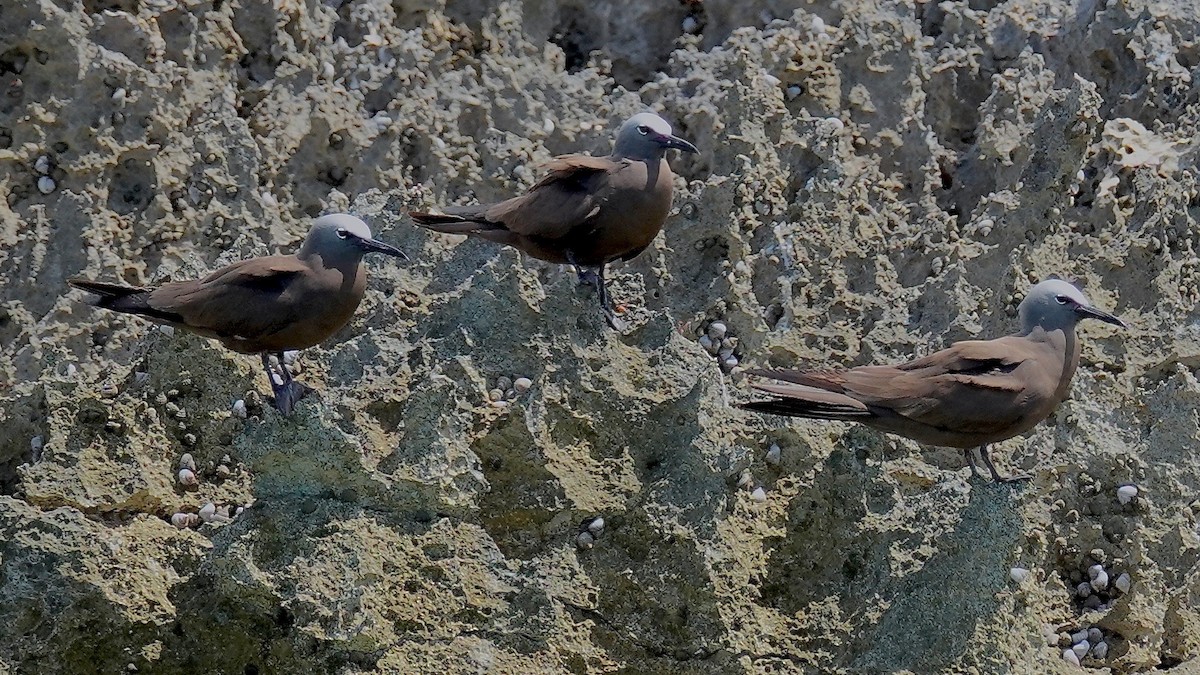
1063, 300
643, 129
342, 233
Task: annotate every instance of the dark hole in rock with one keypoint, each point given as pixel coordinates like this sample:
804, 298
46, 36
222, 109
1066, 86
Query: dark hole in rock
97, 6
132, 187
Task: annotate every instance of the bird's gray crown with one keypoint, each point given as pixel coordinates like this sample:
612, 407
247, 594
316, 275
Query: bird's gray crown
1053, 305
640, 137
335, 236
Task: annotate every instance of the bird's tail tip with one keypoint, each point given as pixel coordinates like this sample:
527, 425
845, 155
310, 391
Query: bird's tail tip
427, 218
445, 222
103, 288
103, 292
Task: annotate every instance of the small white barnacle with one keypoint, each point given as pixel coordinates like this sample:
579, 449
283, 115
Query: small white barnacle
774, 455
184, 520
1127, 493
187, 478
585, 540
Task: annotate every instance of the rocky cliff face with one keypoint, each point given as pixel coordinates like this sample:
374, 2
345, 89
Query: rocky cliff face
874, 180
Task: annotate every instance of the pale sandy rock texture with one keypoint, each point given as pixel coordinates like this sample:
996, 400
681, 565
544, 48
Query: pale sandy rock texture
875, 179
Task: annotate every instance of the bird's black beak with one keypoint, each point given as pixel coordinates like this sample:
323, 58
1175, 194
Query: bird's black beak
674, 142
376, 246
1086, 312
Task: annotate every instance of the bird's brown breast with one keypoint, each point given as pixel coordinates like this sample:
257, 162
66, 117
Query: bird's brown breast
332, 295
630, 218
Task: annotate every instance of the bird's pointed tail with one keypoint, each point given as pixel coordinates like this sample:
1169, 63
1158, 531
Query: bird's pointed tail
127, 299
456, 220
106, 293
803, 400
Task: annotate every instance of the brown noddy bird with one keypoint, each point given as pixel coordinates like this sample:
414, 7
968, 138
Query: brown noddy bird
265, 305
974, 393
587, 211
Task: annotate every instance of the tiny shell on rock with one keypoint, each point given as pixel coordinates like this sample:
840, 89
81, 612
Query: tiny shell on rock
596, 526
187, 478
522, 384
759, 495
585, 540
1127, 493
210, 514
184, 520
1123, 583
1081, 648
774, 455
1018, 574
46, 185
1070, 657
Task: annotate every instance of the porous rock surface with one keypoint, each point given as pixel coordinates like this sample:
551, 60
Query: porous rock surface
874, 180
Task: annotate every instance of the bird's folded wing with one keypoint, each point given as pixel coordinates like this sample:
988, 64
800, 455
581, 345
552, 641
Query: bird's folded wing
975, 357
248, 299
975, 386
565, 199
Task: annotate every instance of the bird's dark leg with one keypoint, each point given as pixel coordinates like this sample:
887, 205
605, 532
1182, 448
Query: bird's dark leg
606, 305
596, 279
288, 391
287, 374
987, 459
969, 454
277, 388
586, 277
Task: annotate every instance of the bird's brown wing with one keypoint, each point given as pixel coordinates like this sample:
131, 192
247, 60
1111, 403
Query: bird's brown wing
976, 386
565, 199
246, 300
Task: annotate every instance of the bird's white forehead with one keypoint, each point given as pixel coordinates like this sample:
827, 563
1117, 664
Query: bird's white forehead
1057, 287
651, 120
344, 221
